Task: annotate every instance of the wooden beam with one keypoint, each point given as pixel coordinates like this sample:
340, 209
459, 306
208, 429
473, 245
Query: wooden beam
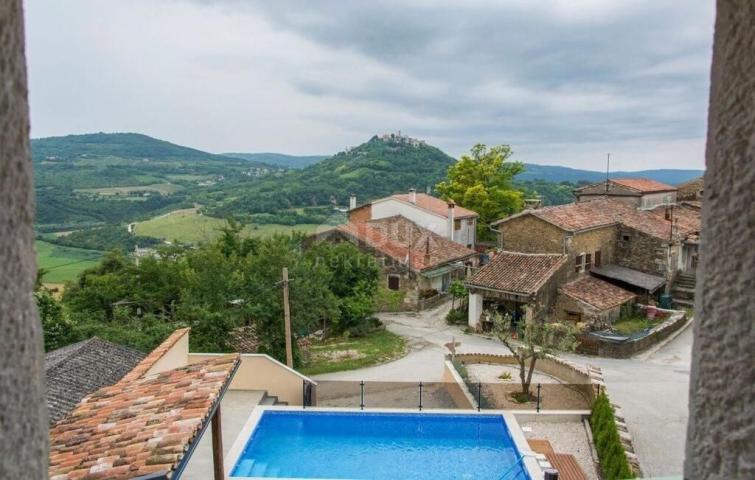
217, 446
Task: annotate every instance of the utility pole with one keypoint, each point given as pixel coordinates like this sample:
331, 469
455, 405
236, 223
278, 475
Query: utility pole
287, 320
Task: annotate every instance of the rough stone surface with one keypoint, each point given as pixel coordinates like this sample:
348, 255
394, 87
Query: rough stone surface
23, 413
721, 430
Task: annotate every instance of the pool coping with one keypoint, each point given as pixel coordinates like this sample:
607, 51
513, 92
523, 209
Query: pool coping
530, 461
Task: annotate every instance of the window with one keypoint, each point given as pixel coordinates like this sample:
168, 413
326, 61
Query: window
588, 261
625, 237
575, 317
394, 282
597, 258
457, 224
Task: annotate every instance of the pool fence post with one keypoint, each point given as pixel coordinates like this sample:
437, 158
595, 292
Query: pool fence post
420, 396
361, 402
538, 399
303, 394
479, 396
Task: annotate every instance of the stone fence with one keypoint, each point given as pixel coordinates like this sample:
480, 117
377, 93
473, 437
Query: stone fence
594, 345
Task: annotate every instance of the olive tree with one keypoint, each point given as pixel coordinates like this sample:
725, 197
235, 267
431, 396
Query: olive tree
535, 341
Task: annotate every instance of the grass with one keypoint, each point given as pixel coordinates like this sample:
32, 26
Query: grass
161, 188
339, 354
633, 324
189, 226
64, 263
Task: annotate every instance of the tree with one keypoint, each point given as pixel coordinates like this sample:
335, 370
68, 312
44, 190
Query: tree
458, 292
58, 329
536, 340
482, 182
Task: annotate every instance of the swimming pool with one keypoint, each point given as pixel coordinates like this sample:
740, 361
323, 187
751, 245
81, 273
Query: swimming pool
379, 446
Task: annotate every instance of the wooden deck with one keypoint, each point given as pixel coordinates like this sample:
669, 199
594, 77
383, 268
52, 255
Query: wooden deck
567, 466
540, 446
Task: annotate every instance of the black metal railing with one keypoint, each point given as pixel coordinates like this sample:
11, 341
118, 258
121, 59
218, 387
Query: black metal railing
449, 395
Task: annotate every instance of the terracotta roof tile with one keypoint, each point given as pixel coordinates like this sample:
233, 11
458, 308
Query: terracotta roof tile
603, 212
598, 293
156, 354
405, 241
644, 185
140, 425
435, 205
521, 273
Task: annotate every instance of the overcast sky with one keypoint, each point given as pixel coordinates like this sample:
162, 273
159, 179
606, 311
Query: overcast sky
563, 82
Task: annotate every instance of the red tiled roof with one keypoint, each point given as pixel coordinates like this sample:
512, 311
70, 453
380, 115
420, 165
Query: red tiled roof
404, 240
598, 293
644, 185
155, 355
435, 205
521, 273
602, 212
139, 425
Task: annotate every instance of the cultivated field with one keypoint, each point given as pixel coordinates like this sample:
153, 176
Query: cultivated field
64, 263
161, 188
189, 226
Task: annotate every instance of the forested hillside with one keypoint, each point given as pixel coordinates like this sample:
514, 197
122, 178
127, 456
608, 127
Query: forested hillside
374, 169
280, 159
116, 177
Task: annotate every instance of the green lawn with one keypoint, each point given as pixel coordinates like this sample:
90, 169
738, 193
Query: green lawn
189, 226
338, 354
64, 263
634, 323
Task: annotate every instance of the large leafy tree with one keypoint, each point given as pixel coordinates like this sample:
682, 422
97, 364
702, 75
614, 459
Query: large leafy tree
482, 181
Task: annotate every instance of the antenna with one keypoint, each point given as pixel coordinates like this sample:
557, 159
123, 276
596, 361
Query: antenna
608, 168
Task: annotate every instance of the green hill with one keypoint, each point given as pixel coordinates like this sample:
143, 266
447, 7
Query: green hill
280, 159
115, 177
379, 167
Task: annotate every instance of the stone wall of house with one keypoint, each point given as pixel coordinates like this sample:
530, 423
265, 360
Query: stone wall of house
23, 410
530, 234
589, 314
642, 252
603, 239
545, 300
722, 383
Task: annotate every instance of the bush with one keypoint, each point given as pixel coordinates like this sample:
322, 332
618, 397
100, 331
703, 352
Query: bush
613, 460
457, 316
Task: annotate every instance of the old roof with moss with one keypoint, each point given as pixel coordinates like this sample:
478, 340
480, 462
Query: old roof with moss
74, 371
518, 273
597, 293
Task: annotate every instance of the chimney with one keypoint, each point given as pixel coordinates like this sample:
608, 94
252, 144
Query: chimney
451, 206
413, 195
352, 201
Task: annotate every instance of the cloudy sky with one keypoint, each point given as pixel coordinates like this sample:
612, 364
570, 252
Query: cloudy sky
563, 81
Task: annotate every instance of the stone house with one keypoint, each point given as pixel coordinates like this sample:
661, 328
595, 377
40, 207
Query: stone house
523, 285
638, 250
413, 260
638, 192
691, 190
442, 218
592, 301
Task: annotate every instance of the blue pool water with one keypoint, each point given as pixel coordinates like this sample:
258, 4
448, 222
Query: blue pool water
380, 446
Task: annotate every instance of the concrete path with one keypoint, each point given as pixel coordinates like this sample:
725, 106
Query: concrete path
652, 388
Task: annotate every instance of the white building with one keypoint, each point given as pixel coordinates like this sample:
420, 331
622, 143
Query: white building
443, 218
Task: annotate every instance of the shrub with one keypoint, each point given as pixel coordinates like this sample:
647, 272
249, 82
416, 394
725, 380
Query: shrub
456, 316
613, 460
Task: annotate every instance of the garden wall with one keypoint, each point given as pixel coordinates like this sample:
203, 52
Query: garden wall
604, 348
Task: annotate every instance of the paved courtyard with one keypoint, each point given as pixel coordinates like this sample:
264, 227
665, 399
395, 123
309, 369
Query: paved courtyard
652, 388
